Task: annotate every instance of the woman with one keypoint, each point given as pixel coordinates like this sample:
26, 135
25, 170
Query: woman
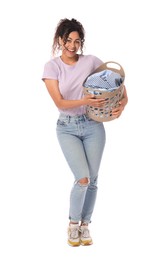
82, 139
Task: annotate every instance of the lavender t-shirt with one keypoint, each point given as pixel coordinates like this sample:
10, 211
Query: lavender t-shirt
71, 78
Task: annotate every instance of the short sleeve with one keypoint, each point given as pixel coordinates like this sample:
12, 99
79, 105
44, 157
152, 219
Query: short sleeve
50, 71
97, 62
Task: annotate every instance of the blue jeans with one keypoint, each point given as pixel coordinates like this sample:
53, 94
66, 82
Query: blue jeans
82, 141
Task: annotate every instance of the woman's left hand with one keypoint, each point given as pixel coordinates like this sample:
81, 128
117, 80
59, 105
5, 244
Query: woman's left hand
122, 103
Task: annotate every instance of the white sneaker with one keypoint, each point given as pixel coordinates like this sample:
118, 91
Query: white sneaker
85, 238
73, 235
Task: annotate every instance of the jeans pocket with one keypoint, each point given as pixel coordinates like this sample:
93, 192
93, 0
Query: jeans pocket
61, 122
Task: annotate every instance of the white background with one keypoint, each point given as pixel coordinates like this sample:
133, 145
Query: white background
35, 180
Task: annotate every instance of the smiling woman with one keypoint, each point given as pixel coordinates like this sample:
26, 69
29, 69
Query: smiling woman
66, 29
81, 138
70, 48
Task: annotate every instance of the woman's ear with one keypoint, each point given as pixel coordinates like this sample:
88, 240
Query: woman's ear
60, 41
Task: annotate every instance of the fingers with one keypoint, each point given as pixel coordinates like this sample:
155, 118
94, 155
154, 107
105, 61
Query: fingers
100, 102
93, 101
117, 111
97, 102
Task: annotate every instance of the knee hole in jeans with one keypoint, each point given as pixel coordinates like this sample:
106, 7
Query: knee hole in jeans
84, 181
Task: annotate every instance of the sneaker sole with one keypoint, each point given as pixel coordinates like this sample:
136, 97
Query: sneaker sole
87, 243
74, 244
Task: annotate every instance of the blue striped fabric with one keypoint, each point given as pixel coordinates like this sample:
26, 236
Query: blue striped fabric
106, 80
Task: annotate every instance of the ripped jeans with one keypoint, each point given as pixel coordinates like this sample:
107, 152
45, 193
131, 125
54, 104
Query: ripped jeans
82, 141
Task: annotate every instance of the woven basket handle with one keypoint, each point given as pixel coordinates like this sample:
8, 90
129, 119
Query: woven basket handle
108, 65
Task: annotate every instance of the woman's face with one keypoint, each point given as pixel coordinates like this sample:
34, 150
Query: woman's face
72, 45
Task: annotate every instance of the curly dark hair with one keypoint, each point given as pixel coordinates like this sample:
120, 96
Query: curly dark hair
63, 29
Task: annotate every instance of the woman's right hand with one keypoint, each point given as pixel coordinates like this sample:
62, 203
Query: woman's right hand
90, 100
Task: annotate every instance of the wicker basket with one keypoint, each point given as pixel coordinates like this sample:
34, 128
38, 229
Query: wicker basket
104, 113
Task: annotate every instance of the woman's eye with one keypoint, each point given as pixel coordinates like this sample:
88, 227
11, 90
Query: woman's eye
75, 42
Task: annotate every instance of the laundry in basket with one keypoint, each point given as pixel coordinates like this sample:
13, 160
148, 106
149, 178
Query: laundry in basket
106, 82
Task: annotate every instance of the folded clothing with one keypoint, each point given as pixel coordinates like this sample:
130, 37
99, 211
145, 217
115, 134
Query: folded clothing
106, 80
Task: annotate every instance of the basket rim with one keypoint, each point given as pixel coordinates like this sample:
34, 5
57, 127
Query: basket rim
104, 66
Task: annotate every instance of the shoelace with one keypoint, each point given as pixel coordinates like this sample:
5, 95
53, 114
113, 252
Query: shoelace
74, 232
85, 232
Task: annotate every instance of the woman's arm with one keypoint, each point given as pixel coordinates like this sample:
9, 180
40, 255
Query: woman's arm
61, 103
122, 103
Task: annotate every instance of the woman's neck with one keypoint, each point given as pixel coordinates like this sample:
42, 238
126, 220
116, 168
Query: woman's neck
68, 60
